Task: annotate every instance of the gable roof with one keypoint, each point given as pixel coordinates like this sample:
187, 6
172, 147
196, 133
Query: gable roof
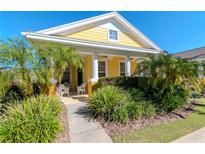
90, 22
190, 54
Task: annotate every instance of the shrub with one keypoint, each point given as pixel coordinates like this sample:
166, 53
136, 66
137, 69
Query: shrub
172, 98
148, 109
110, 103
141, 109
194, 94
13, 93
167, 97
136, 94
35, 120
135, 110
124, 82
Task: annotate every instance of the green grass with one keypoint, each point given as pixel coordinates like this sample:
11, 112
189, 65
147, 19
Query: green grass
167, 132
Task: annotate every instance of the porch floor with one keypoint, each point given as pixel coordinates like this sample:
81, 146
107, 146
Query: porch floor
74, 98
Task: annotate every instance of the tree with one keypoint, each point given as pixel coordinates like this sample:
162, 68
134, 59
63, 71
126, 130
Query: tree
170, 80
57, 58
61, 58
174, 71
17, 55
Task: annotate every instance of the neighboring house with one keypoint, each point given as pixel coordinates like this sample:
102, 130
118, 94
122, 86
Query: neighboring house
109, 44
197, 54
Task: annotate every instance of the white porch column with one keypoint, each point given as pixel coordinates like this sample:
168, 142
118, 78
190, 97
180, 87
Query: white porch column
127, 66
95, 67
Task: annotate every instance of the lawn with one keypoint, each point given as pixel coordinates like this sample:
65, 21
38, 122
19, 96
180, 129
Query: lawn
167, 132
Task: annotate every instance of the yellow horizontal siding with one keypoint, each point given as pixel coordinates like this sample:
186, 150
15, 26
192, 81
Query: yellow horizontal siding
101, 35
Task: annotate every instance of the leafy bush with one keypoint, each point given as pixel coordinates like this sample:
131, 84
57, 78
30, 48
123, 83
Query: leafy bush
136, 94
110, 103
148, 109
194, 94
144, 98
124, 82
171, 98
135, 110
35, 120
117, 105
12, 93
167, 97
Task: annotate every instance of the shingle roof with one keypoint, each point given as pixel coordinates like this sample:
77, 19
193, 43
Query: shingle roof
190, 54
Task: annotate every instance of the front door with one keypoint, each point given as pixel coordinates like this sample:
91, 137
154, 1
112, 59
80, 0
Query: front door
80, 76
67, 76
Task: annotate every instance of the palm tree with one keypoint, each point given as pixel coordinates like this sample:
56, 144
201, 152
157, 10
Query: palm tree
173, 71
17, 55
56, 58
61, 58
41, 64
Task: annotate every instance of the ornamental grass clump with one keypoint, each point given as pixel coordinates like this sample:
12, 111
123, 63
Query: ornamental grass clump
34, 120
110, 103
148, 109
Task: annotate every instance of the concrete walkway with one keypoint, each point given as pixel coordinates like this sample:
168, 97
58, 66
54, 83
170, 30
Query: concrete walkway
82, 130
195, 137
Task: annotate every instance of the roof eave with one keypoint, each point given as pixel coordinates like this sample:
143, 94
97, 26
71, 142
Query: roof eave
76, 42
118, 17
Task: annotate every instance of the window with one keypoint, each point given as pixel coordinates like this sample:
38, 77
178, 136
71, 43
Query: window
122, 69
113, 35
101, 69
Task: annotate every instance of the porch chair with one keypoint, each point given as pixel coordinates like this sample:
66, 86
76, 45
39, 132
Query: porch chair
66, 84
63, 90
81, 89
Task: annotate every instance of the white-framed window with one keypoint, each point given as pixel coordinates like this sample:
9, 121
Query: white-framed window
101, 69
113, 35
122, 68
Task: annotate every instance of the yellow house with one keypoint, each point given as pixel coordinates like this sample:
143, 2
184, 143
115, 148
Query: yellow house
109, 45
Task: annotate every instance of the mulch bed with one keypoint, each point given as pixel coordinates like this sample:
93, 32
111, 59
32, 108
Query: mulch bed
64, 137
117, 128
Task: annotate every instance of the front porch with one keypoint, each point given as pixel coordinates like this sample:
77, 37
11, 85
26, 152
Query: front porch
96, 66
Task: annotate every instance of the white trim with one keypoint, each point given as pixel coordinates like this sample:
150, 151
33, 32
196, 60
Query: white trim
74, 24
106, 66
95, 66
136, 31
127, 66
86, 22
86, 43
108, 35
109, 25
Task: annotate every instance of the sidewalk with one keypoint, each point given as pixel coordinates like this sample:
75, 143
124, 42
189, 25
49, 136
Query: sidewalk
81, 129
195, 137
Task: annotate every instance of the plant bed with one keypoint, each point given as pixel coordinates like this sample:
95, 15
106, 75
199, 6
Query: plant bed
166, 131
63, 136
118, 128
